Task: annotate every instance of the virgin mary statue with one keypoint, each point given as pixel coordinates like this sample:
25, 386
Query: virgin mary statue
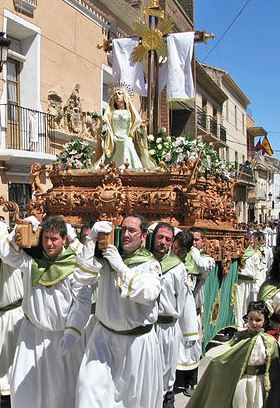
124, 137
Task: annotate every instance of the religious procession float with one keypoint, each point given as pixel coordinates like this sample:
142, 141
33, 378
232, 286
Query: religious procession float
114, 166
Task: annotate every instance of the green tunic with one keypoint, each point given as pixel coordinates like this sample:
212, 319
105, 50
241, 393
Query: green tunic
217, 386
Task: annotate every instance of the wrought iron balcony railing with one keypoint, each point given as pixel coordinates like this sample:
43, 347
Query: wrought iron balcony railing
213, 126
223, 134
201, 118
243, 173
26, 129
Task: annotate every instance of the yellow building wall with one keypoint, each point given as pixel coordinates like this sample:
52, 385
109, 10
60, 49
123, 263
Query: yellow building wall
69, 51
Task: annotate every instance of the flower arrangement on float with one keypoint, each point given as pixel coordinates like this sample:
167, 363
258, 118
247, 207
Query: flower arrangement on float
76, 154
176, 150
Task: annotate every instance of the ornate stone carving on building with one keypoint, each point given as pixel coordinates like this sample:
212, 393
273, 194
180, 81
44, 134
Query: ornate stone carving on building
55, 109
72, 112
71, 118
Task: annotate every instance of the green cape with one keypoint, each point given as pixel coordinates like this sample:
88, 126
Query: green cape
48, 272
169, 262
139, 256
217, 385
248, 252
268, 290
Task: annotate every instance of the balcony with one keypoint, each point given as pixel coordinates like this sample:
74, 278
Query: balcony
223, 134
201, 119
244, 174
210, 130
25, 6
26, 136
213, 125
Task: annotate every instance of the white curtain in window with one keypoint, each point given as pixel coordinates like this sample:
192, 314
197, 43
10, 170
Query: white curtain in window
33, 126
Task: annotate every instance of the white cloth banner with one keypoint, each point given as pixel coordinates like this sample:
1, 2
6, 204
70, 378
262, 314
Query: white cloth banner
123, 69
180, 84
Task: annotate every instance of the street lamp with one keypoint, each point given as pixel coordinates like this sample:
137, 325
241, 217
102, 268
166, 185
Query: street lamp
4, 45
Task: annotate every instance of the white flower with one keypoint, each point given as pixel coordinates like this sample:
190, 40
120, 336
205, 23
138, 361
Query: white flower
152, 152
159, 146
167, 157
178, 142
192, 155
159, 140
151, 138
180, 158
179, 149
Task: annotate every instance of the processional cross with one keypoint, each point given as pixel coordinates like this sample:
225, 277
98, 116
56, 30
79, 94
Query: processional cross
152, 46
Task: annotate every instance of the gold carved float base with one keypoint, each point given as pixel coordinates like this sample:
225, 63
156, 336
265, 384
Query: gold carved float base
179, 196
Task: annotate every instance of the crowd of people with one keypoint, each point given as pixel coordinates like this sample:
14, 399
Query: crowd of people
86, 323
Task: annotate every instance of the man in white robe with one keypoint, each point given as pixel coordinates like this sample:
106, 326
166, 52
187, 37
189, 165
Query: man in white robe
56, 308
121, 366
177, 320
11, 293
250, 278
198, 265
265, 253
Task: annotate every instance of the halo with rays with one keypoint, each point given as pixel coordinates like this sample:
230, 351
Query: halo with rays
121, 85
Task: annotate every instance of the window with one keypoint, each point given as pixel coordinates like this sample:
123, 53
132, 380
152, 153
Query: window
24, 52
204, 104
13, 100
235, 117
215, 112
226, 109
13, 81
227, 153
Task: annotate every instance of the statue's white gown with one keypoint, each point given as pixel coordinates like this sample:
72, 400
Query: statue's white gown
124, 147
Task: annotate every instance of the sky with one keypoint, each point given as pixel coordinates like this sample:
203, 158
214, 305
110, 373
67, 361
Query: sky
249, 52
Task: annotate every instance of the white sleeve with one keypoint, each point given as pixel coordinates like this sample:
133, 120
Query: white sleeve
87, 267
205, 263
81, 305
10, 253
141, 284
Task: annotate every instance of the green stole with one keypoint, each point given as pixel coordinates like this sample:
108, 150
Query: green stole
248, 252
169, 261
190, 264
48, 272
217, 386
268, 290
139, 256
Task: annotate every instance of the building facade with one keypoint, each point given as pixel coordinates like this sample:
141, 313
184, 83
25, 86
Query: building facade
229, 122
